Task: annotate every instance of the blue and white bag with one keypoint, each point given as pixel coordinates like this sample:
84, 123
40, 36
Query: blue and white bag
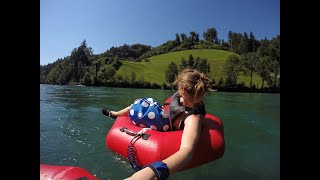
147, 113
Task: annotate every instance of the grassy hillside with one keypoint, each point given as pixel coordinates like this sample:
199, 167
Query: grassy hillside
154, 71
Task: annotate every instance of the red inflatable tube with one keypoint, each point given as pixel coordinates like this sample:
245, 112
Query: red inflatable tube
64, 172
161, 145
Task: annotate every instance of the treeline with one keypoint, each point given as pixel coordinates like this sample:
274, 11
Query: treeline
127, 52
84, 67
264, 61
256, 57
184, 42
200, 64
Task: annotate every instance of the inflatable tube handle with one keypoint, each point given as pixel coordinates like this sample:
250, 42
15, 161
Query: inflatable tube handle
125, 129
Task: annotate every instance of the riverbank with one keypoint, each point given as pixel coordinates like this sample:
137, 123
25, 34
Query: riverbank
165, 87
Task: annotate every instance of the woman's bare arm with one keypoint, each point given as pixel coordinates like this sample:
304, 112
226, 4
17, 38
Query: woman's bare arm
178, 160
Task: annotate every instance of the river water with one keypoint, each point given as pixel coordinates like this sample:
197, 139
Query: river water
73, 132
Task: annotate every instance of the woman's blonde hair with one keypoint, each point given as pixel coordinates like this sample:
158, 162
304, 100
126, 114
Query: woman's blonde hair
196, 84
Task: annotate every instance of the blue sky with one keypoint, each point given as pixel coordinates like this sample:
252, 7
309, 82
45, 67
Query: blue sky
64, 24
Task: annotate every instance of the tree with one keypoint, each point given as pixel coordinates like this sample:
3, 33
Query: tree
230, 39
274, 48
225, 45
97, 67
184, 37
263, 69
80, 57
244, 44
177, 38
52, 77
193, 36
202, 65
107, 73
116, 63
236, 42
81, 70
86, 79
252, 42
249, 63
183, 64
220, 82
83, 53
232, 70
263, 50
171, 72
211, 35
64, 72
274, 53
190, 61
275, 69
196, 38
196, 63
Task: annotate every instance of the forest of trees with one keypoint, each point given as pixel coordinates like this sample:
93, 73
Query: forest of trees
261, 57
199, 64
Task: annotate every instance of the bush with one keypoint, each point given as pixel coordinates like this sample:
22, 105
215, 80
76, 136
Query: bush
164, 86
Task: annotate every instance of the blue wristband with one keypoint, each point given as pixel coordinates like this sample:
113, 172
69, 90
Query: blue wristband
160, 168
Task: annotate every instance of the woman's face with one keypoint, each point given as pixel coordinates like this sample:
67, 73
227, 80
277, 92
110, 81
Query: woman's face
183, 93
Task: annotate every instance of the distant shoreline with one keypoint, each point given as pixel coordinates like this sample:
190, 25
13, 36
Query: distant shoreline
215, 89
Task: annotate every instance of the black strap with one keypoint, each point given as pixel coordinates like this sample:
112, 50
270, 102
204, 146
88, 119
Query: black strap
133, 156
165, 104
132, 152
195, 110
144, 135
181, 125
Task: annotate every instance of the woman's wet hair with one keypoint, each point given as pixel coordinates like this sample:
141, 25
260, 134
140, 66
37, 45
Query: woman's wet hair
196, 84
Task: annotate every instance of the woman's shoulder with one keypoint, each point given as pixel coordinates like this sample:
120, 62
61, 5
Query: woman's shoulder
193, 118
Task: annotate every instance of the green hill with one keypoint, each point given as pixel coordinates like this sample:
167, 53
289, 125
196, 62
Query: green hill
154, 71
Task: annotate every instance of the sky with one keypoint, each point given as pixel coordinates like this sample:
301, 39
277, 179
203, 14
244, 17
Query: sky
64, 24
